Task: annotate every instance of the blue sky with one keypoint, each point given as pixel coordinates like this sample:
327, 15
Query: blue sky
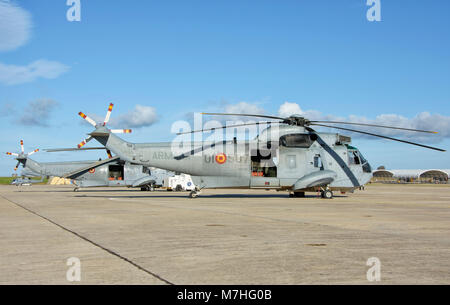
192, 56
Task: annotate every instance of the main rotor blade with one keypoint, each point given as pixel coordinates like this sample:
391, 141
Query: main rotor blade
108, 114
380, 136
121, 131
33, 152
374, 125
12, 154
17, 166
74, 149
21, 146
248, 115
231, 126
85, 142
91, 121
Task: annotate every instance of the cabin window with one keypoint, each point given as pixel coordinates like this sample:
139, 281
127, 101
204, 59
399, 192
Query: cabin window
318, 162
298, 140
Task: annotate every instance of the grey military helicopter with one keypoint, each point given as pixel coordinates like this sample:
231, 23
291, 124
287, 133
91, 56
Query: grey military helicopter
25, 181
84, 174
288, 155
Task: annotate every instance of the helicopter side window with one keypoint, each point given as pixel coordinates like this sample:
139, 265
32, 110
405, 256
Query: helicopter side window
354, 157
318, 162
296, 140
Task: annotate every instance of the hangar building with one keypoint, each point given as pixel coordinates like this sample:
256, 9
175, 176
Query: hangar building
412, 175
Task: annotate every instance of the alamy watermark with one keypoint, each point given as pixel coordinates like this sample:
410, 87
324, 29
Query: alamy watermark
374, 272
74, 12
374, 12
220, 137
73, 274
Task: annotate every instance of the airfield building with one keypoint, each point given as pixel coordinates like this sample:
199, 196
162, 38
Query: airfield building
411, 176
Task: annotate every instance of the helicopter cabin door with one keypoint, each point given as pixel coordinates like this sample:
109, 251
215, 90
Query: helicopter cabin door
116, 173
264, 171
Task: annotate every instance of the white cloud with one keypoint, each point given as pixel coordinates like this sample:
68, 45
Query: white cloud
288, 109
140, 116
422, 121
15, 26
14, 75
239, 108
15, 31
37, 113
243, 108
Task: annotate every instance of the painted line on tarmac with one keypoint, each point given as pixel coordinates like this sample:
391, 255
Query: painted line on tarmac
90, 241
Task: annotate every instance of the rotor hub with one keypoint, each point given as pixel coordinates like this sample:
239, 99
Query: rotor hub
297, 121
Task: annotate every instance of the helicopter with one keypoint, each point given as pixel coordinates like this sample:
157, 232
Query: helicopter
288, 155
85, 174
25, 181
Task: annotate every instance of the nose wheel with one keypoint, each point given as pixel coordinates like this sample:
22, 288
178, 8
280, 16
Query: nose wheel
327, 194
194, 194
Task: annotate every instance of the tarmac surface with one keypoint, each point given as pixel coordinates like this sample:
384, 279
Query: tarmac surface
124, 236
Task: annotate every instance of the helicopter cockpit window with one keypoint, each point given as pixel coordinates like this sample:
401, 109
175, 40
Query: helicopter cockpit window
296, 140
363, 160
354, 157
366, 166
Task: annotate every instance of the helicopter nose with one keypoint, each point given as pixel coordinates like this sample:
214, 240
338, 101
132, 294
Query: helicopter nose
366, 178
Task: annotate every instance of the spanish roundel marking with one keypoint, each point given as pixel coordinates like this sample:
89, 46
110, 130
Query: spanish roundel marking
92, 170
221, 158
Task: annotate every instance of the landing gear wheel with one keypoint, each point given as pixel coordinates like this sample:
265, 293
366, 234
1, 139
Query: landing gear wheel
193, 194
76, 189
327, 194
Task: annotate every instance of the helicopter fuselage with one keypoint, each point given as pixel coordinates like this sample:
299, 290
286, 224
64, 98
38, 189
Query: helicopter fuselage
292, 159
86, 174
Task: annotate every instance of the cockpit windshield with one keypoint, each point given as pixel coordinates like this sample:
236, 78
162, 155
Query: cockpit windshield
363, 160
355, 157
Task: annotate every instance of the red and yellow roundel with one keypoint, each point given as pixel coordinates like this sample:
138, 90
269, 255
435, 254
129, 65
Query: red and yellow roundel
92, 170
221, 158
